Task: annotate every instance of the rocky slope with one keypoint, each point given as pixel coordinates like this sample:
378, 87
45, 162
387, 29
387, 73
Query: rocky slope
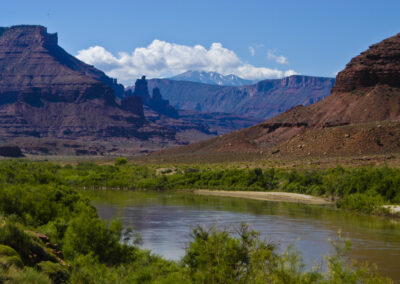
264, 99
360, 116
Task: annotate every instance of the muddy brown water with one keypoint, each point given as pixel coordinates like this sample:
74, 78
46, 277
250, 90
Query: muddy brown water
165, 221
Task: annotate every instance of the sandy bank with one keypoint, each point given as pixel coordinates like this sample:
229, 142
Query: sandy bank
394, 209
269, 196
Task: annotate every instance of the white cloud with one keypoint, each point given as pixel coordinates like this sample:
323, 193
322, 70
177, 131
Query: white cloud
278, 59
164, 59
252, 50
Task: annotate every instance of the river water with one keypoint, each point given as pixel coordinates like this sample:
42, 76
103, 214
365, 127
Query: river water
165, 221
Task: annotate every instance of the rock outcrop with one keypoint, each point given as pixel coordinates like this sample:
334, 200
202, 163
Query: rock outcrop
162, 106
34, 67
45, 92
154, 102
380, 64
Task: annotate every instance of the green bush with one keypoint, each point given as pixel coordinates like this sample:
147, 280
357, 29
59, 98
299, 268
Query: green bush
88, 234
9, 257
366, 203
216, 257
121, 161
57, 272
27, 275
8, 261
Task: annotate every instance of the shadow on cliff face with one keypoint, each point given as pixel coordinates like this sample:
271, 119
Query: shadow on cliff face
11, 152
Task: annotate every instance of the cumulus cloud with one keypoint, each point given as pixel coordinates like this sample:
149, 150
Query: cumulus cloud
278, 59
163, 59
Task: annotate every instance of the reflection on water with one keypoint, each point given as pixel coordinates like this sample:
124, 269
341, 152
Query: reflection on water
165, 220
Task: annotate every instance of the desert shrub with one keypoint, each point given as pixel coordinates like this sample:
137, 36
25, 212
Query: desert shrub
39, 204
88, 234
57, 272
306, 182
27, 275
366, 203
9, 257
13, 235
145, 269
121, 161
217, 257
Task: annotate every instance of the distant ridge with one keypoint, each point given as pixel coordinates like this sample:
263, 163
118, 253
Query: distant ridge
212, 78
263, 100
361, 116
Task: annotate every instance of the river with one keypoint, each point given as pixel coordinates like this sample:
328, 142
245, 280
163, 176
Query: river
165, 220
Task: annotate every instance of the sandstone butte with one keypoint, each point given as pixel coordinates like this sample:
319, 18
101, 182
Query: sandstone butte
45, 92
53, 103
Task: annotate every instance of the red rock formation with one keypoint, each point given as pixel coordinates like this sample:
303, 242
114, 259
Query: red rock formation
367, 90
48, 98
154, 102
32, 63
380, 64
45, 92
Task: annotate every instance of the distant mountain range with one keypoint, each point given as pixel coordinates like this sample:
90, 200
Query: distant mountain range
212, 78
361, 116
263, 99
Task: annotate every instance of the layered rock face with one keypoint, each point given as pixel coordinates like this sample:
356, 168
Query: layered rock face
367, 90
32, 64
380, 64
45, 92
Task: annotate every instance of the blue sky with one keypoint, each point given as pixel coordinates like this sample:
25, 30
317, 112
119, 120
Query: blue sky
249, 37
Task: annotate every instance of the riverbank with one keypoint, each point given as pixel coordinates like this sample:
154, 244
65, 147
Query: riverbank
268, 196
393, 209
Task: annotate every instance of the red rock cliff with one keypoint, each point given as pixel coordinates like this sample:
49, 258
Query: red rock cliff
380, 64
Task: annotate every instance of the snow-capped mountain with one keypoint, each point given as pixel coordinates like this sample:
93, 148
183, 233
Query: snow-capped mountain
212, 78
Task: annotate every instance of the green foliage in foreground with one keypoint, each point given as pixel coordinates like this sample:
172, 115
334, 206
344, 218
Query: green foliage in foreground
361, 189
42, 197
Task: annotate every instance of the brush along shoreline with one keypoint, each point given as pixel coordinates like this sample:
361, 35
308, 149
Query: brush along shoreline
268, 196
